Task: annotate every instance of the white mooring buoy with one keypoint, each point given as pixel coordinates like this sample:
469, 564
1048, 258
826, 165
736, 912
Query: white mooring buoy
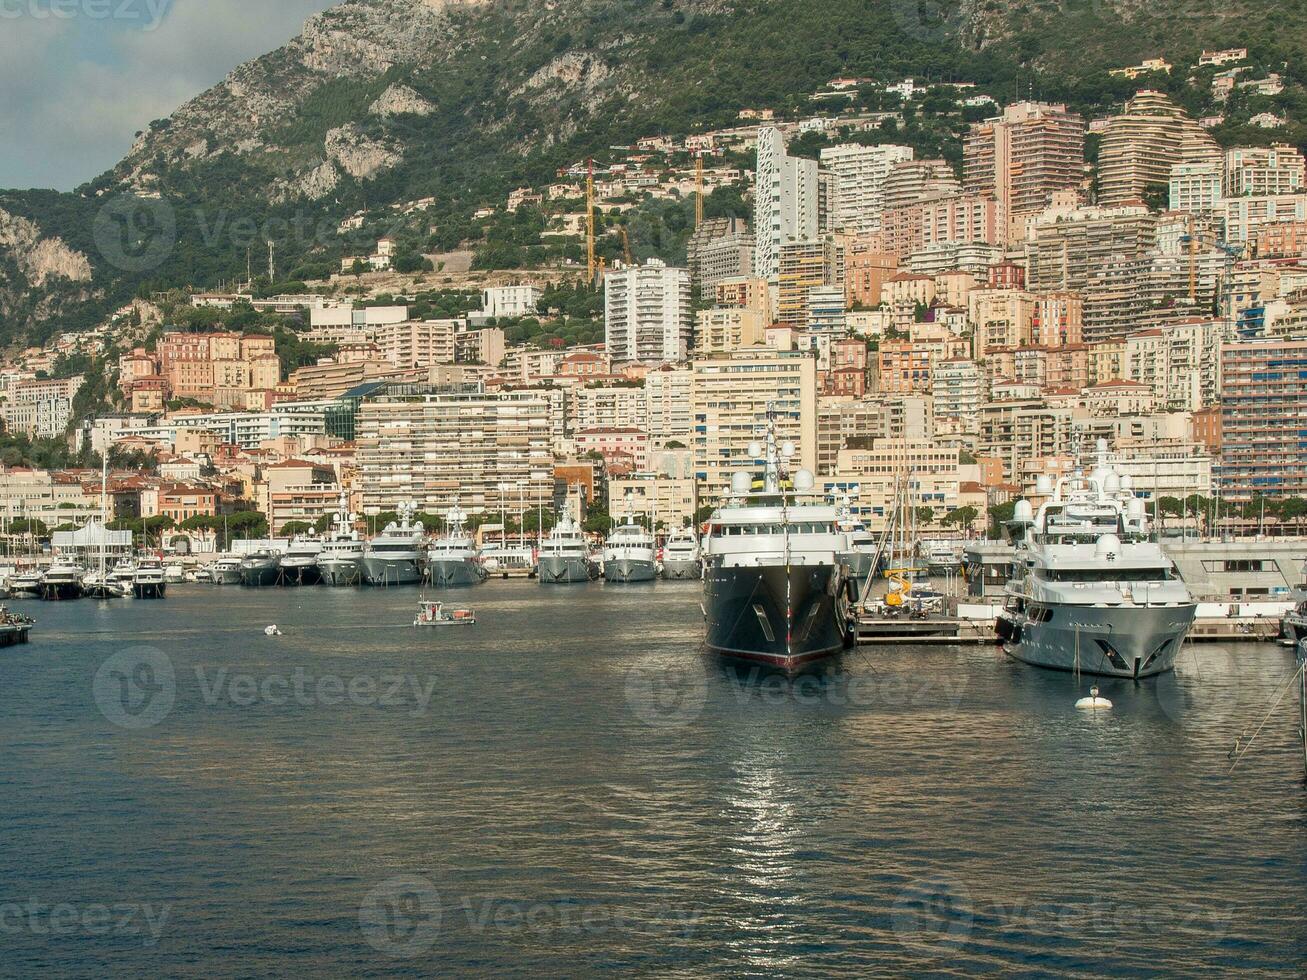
1094, 702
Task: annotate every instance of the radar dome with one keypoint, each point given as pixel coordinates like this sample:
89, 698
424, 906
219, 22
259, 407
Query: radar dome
755, 450
1136, 509
804, 480
787, 450
1044, 486
1127, 482
1023, 512
1112, 482
741, 482
1107, 547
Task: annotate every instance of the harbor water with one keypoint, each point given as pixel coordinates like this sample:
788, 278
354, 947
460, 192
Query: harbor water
572, 787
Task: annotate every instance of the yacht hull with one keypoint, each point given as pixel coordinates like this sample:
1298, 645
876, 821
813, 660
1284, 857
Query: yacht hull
292, 575
390, 571
682, 570
340, 572
1108, 641
262, 574
446, 574
61, 591
227, 576
150, 590
786, 618
564, 571
621, 571
861, 566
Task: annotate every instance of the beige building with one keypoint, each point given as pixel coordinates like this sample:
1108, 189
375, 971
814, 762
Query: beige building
668, 500
1023, 157
417, 343
668, 413
1141, 145
491, 450
730, 401
722, 329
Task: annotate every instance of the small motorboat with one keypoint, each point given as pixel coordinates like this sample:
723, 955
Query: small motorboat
434, 614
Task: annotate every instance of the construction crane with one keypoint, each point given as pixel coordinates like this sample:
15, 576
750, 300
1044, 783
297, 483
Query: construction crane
626, 246
698, 195
590, 221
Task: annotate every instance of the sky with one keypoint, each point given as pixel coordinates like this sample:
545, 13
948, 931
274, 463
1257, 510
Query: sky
79, 78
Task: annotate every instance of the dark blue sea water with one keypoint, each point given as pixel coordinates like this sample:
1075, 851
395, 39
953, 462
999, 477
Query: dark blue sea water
570, 787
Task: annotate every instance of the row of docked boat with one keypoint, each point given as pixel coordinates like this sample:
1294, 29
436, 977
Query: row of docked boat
401, 555
145, 578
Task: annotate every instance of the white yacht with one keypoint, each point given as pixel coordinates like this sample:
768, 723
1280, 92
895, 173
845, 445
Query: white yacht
25, 584
682, 558
299, 565
453, 560
124, 573
226, 571
776, 589
1090, 592
860, 546
149, 581
942, 557
341, 559
394, 557
564, 556
630, 553
62, 581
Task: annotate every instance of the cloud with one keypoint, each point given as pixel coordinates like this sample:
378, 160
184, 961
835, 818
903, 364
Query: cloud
78, 86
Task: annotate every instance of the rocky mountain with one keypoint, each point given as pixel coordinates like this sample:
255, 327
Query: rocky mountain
385, 101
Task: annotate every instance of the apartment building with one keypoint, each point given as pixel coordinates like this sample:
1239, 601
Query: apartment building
719, 330
647, 312
804, 266
1023, 157
491, 450
730, 400
957, 388
1068, 245
919, 180
1245, 216
1264, 171
1023, 428
722, 248
859, 174
668, 413
786, 204
1264, 419
510, 301
603, 407
1195, 188
1141, 146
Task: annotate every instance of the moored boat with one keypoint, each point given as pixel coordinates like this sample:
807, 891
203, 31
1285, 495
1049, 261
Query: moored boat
149, 581
1092, 593
394, 557
62, 581
776, 591
261, 569
564, 556
630, 554
453, 560
682, 558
